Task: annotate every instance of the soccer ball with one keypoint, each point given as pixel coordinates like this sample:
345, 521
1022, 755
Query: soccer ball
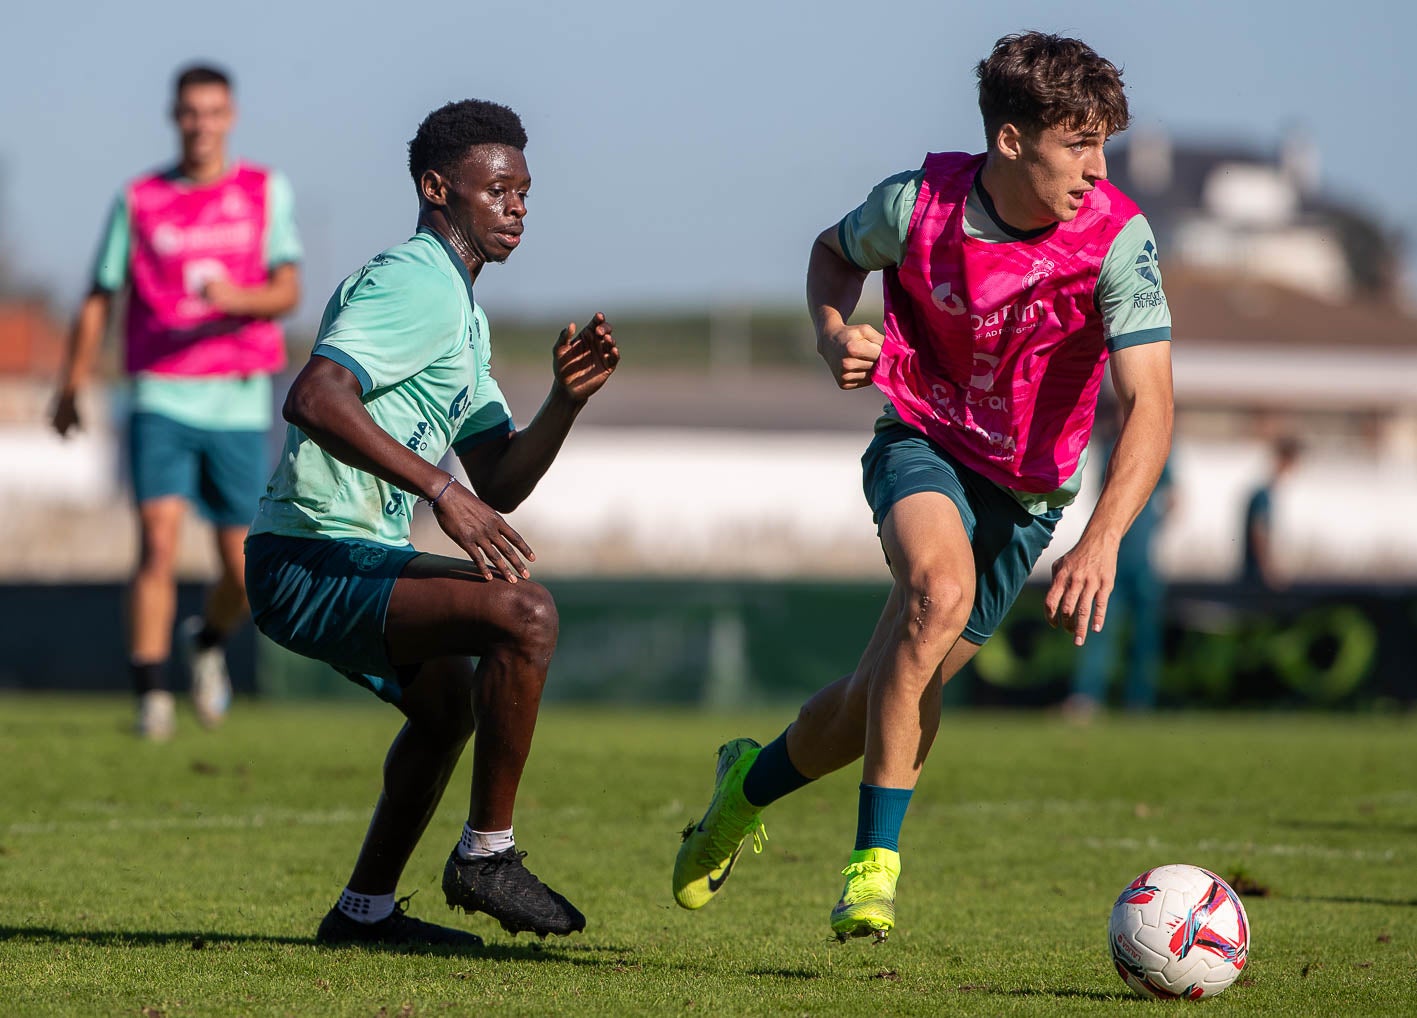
1179, 931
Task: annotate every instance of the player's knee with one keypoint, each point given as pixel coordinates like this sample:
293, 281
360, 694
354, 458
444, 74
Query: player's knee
935, 609
157, 557
534, 623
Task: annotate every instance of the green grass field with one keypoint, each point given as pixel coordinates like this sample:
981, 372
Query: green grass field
187, 879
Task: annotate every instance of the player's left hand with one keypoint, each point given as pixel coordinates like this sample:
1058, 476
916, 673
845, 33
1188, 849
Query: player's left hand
1082, 581
585, 360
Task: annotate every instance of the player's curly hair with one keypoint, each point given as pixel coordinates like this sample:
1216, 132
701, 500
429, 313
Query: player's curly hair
1035, 80
449, 131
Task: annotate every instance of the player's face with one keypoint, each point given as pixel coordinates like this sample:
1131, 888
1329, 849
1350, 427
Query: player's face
1061, 165
204, 114
486, 200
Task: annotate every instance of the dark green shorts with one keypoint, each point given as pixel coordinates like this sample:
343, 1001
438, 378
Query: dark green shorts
327, 599
222, 473
1006, 538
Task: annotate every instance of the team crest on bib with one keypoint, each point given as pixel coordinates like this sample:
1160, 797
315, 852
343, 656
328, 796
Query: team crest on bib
367, 559
1041, 269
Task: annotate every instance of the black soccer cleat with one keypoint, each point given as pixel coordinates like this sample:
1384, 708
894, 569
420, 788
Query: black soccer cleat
505, 889
397, 929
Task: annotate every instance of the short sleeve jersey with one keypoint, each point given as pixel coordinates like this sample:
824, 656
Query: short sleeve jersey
213, 403
1129, 292
407, 327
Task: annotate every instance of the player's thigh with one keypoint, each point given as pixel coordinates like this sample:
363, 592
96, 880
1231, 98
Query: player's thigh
326, 599
164, 460
921, 503
443, 606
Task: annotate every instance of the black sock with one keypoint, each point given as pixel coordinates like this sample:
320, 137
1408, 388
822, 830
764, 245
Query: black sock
148, 676
208, 637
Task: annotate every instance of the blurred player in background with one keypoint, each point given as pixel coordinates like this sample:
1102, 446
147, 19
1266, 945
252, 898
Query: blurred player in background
1258, 571
208, 255
400, 373
1135, 609
1010, 278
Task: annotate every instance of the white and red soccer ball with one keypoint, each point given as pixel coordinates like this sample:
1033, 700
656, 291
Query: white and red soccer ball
1179, 932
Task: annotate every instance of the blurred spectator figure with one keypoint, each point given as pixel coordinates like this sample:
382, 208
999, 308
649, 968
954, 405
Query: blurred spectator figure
1258, 570
1134, 609
207, 253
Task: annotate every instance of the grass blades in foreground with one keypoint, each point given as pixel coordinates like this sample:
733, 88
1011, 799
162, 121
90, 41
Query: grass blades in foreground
188, 878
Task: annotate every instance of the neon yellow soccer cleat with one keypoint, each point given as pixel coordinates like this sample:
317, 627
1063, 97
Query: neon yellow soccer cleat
712, 846
867, 905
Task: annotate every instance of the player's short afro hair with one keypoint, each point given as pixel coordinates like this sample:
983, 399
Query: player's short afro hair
449, 131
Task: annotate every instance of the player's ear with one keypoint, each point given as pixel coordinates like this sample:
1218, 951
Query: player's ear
433, 188
1008, 140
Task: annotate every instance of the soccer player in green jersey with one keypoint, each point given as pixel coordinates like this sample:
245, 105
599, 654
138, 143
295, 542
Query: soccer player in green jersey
400, 374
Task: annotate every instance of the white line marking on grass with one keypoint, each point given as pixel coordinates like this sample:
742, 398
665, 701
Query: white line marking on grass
270, 818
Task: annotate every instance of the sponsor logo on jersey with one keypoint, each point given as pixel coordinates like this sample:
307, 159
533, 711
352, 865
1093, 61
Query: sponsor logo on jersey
1148, 266
946, 301
459, 405
170, 240
1011, 318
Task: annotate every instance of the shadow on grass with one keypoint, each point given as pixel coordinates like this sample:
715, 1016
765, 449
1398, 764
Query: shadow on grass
608, 955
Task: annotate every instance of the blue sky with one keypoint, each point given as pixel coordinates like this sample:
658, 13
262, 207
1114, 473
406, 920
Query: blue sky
682, 154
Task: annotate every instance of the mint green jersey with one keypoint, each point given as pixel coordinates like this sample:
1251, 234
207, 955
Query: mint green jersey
211, 403
407, 327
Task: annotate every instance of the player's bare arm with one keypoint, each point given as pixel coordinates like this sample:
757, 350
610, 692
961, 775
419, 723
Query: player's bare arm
84, 340
833, 290
505, 472
1083, 577
324, 403
278, 296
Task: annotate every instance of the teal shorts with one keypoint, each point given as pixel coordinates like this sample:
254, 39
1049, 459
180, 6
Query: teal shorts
222, 473
1006, 538
327, 599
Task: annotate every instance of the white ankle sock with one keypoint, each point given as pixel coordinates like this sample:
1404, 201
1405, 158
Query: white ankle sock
483, 843
366, 908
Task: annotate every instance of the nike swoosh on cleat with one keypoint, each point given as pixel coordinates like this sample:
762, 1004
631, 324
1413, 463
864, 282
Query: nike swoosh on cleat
715, 884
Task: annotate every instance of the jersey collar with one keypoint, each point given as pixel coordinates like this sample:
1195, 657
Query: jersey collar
454, 258
988, 203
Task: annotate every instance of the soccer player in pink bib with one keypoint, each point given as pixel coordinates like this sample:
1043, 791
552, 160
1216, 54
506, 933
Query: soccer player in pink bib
1013, 278
208, 255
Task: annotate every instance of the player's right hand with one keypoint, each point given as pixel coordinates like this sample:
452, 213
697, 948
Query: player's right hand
851, 351
66, 413
479, 530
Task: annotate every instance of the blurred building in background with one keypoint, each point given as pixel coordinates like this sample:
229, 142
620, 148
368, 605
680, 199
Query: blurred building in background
724, 449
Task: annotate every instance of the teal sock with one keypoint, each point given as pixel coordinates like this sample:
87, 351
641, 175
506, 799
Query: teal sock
879, 814
772, 775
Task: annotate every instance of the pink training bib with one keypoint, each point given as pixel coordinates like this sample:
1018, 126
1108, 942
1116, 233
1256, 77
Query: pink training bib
996, 350
183, 236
